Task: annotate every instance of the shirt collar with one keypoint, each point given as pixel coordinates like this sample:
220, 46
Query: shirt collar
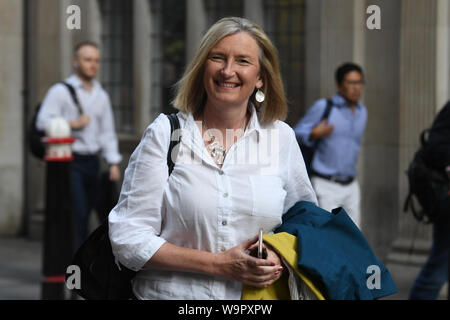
77, 83
340, 101
253, 124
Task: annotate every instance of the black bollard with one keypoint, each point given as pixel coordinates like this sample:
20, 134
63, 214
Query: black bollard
58, 246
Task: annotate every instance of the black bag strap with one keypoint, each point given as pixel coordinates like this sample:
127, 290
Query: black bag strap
174, 126
424, 136
73, 94
327, 111
325, 115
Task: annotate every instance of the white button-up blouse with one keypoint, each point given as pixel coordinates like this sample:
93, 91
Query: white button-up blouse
200, 205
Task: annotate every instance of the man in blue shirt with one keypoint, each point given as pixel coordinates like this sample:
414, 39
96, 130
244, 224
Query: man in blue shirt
334, 164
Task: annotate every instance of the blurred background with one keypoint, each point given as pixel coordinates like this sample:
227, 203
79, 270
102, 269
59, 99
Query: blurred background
144, 47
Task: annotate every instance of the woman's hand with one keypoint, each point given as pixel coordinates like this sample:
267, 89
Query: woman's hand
235, 264
272, 256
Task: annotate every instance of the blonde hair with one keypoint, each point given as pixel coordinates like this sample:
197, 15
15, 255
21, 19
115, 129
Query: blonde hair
190, 92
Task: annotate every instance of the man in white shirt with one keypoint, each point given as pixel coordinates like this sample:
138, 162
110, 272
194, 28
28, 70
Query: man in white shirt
93, 130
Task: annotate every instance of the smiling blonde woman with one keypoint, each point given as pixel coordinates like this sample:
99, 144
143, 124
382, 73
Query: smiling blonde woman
191, 93
189, 234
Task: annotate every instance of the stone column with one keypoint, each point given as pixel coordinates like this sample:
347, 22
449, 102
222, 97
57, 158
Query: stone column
378, 160
142, 65
196, 25
417, 108
91, 23
442, 53
329, 29
47, 65
337, 41
254, 11
359, 51
65, 40
11, 117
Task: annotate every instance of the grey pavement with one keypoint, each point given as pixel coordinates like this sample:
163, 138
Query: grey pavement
20, 269
403, 277
21, 263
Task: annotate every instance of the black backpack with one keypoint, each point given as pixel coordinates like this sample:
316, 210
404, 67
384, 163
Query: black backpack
308, 151
101, 278
37, 146
428, 187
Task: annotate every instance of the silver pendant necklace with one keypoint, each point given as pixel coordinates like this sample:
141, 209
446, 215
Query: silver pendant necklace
217, 150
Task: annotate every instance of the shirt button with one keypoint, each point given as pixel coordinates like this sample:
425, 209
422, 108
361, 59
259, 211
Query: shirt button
221, 173
224, 222
222, 249
225, 195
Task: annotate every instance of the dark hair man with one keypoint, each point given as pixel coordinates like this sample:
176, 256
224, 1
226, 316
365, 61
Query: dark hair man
334, 164
93, 130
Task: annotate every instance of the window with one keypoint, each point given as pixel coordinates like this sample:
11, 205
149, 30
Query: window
117, 60
216, 9
283, 23
168, 51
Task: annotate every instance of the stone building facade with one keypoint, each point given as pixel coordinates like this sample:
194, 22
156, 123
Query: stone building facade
145, 44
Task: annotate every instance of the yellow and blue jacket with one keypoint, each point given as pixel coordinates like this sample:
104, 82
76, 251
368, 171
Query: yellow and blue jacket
329, 254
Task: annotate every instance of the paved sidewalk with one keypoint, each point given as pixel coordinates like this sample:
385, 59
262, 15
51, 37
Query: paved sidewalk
20, 269
21, 263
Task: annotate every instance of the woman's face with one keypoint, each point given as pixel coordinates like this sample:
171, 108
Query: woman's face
232, 71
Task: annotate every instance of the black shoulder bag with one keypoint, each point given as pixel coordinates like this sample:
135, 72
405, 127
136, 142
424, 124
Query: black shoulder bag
101, 278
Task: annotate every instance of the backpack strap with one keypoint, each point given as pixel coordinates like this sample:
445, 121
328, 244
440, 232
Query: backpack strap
327, 111
409, 204
73, 94
174, 140
324, 116
423, 139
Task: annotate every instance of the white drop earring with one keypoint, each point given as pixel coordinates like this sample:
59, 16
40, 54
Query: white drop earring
259, 96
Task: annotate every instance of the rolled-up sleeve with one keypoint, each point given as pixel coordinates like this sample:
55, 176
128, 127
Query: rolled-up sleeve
298, 186
135, 222
309, 121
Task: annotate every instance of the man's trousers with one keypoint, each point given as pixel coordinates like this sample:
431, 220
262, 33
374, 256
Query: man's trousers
435, 271
332, 195
85, 171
